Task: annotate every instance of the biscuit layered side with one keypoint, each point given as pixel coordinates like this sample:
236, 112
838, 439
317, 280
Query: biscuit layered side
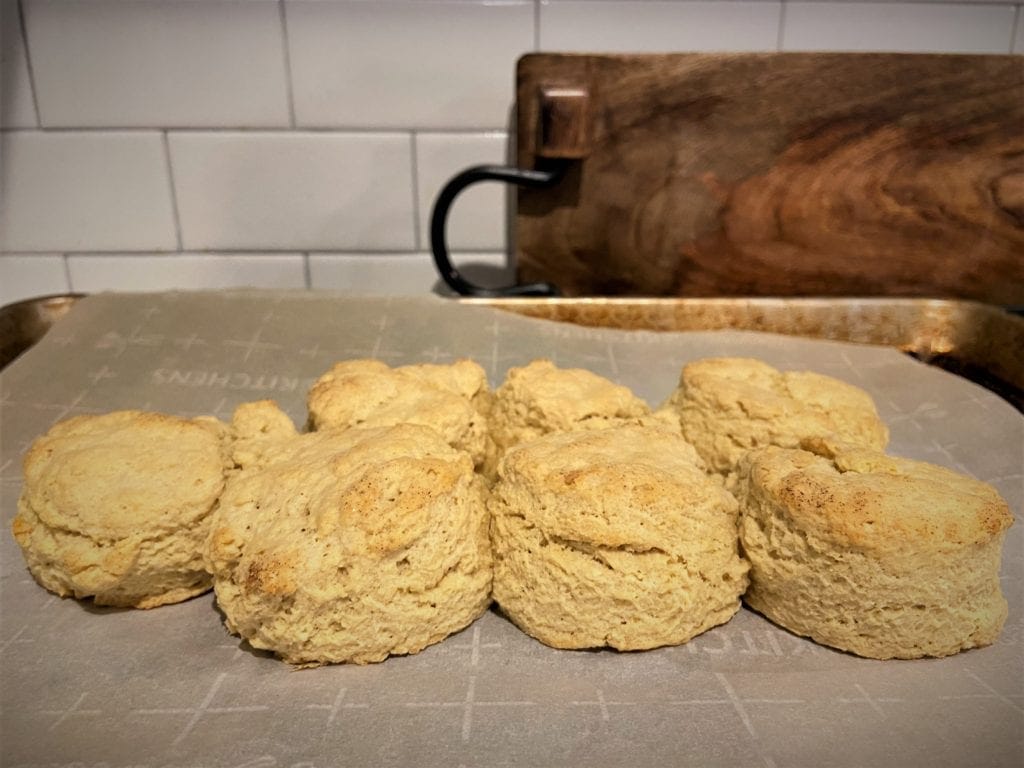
880, 556
728, 406
615, 538
116, 507
452, 399
348, 545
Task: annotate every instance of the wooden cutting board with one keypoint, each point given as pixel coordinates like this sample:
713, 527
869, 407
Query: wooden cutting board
775, 174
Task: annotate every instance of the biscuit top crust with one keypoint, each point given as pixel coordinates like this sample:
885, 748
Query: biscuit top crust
369, 492
371, 393
126, 473
861, 499
757, 391
568, 396
638, 488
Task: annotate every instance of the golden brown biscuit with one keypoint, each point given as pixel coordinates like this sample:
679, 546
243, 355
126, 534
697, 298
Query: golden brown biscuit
453, 399
613, 537
348, 545
728, 406
879, 556
117, 506
541, 398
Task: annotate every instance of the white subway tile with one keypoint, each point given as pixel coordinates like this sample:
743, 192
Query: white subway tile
25, 276
16, 107
185, 271
478, 218
293, 191
667, 26
158, 63
401, 274
899, 27
392, 64
67, 191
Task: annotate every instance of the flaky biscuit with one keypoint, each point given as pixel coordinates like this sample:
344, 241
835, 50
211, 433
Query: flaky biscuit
453, 399
728, 406
613, 537
540, 398
117, 506
348, 545
880, 556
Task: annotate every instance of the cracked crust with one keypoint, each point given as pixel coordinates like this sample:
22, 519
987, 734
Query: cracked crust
348, 546
728, 406
613, 538
453, 399
540, 398
879, 556
117, 506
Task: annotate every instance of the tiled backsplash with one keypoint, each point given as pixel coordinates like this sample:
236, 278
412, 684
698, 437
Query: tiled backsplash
156, 144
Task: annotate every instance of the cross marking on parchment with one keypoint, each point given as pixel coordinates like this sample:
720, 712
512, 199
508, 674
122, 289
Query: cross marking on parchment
602, 704
73, 710
337, 705
311, 352
467, 705
992, 693
474, 645
103, 373
865, 698
62, 409
251, 344
738, 703
187, 342
114, 340
197, 712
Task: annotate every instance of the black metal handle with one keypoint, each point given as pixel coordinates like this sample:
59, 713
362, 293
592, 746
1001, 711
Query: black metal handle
539, 178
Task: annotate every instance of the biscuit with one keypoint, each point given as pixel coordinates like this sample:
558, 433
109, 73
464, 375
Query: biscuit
613, 537
348, 545
879, 556
117, 506
728, 406
540, 398
453, 399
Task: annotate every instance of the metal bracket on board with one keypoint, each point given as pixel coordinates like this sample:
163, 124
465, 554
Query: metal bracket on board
563, 137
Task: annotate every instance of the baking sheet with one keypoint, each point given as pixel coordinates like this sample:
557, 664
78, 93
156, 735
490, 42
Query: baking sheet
170, 687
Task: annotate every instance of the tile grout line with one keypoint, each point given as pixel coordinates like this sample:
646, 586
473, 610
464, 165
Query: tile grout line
417, 214
1018, 19
23, 31
173, 191
286, 53
536, 25
780, 37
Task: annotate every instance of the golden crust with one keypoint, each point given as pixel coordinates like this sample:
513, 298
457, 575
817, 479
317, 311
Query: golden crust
116, 506
613, 537
349, 546
540, 398
453, 399
880, 556
728, 406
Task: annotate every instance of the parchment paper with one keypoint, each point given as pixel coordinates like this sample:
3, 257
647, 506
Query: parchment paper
170, 687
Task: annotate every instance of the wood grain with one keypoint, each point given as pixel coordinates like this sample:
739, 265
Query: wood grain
792, 174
